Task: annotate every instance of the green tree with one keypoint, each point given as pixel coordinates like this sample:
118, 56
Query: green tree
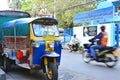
65, 17
26, 5
64, 9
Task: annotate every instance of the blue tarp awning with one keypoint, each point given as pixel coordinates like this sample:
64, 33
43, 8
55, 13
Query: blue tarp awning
26, 20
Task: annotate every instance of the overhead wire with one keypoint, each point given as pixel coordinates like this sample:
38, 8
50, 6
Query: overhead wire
74, 6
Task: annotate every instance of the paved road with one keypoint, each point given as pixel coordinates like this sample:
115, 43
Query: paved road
93, 71
72, 68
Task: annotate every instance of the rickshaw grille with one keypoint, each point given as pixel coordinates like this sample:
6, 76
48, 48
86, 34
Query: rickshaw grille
47, 47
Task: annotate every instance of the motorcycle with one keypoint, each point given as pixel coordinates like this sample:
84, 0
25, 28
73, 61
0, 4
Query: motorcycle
108, 55
75, 47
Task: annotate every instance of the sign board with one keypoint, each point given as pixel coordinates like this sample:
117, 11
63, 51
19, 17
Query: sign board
89, 31
98, 14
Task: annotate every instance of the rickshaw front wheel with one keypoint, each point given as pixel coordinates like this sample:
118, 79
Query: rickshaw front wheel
52, 72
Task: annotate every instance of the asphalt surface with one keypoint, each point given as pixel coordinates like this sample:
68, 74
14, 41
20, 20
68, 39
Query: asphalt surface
92, 71
72, 67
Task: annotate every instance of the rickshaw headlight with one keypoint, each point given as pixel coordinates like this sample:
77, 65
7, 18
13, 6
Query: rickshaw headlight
51, 44
36, 44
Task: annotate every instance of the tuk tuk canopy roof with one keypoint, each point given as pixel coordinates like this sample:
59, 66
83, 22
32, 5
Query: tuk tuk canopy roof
28, 20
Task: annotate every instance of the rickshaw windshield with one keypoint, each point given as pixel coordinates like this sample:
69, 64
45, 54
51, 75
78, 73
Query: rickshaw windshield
40, 30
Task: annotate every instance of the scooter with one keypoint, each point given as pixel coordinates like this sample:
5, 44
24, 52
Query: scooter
75, 47
108, 55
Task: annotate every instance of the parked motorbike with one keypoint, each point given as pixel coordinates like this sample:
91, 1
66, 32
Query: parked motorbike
75, 47
108, 55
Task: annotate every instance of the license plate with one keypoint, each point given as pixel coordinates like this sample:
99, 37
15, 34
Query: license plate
115, 53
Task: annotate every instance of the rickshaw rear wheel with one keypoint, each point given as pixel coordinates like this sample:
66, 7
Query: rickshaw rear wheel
1, 60
52, 72
6, 64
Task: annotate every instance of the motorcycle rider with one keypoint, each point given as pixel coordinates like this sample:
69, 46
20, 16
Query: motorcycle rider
101, 43
73, 40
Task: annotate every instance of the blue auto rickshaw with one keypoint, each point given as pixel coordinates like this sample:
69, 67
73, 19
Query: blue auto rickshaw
32, 43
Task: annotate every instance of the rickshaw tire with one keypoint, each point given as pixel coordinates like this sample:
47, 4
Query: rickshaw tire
54, 70
7, 66
1, 60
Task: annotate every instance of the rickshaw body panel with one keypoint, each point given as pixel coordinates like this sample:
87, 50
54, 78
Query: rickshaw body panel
57, 49
40, 51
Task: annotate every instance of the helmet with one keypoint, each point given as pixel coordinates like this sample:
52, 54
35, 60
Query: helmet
102, 28
74, 35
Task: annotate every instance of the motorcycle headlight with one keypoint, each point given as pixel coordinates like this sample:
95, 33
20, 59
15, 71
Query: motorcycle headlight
51, 44
36, 44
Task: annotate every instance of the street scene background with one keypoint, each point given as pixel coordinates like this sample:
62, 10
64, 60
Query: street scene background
74, 17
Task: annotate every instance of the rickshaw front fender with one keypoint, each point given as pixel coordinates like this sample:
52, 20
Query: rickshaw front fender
51, 54
5, 54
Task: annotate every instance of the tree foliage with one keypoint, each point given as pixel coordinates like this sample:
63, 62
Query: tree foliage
65, 12
64, 9
26, 5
